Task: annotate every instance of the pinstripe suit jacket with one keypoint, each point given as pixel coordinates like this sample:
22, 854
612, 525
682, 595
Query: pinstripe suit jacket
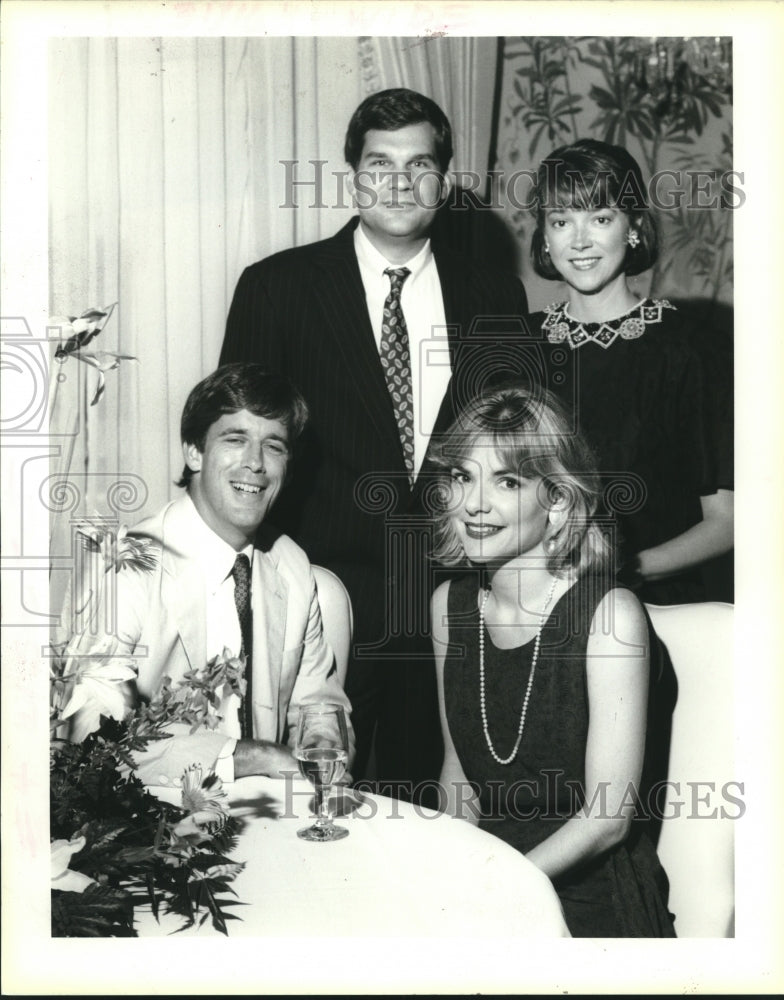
303, 313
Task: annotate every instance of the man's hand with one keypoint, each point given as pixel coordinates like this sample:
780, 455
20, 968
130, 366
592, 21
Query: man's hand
263, 757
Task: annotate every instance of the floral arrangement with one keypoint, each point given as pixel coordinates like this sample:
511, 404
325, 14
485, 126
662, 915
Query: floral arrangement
115, 846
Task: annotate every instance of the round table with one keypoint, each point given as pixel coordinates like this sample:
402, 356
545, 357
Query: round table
404, 870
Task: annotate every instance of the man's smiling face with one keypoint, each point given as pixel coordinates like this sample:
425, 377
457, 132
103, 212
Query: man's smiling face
238, 475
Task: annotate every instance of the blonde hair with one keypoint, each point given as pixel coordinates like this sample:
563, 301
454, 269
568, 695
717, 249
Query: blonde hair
532, 433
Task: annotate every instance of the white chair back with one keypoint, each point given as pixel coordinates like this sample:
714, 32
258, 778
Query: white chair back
696, 844
336, 615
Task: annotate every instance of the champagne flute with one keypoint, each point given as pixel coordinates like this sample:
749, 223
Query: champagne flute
321, 748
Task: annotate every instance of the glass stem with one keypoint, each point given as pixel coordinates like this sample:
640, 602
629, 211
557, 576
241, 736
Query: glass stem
322, 799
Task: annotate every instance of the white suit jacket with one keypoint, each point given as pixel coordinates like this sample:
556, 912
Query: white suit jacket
161, 618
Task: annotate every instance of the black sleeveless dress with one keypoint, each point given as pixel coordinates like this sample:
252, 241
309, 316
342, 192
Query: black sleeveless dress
624, 892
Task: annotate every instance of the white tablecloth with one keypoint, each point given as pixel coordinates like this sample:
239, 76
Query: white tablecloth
402, 871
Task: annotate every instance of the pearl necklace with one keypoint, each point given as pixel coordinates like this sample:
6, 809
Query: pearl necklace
534, 660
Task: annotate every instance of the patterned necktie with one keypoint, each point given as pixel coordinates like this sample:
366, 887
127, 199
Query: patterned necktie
396, 362
241, 573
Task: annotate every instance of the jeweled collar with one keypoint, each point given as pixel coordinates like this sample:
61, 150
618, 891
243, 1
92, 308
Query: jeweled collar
560, 326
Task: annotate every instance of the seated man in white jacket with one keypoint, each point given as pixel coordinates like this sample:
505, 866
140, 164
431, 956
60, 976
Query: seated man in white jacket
238, 429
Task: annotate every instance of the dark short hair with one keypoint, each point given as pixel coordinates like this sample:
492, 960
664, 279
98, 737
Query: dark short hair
235, 387
390, 110
532, 432
592, 174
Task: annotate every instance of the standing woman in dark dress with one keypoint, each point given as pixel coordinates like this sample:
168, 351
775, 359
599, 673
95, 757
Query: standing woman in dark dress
652, 396
547, 670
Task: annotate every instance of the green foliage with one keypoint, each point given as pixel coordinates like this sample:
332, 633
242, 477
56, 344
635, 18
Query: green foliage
131, 849
99, 911
86, 783
545, 103
137, 848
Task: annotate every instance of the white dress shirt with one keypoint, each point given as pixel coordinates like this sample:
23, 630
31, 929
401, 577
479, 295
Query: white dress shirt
216, 558
423, 307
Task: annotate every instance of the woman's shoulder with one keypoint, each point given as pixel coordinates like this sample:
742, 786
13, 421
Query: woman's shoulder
619, 622
548, 314
652, 320
440, 595
683, 323
550, 325
452, 600
456, 593
622, 601
668, 333
597, 593
691, 326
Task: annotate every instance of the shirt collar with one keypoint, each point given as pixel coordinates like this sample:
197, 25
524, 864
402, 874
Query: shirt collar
215, 555
374, 261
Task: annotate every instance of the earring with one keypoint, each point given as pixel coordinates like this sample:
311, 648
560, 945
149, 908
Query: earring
546, 248
633, 238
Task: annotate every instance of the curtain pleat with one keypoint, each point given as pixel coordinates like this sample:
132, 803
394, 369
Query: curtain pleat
182, 199
212, 185
166, 181
237, 151
69, 269
143, 319
103, 243
306, 138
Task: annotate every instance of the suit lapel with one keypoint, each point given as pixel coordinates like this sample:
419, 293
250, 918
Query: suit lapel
182, 593
270, 596
183, 598
341, 295
454, 289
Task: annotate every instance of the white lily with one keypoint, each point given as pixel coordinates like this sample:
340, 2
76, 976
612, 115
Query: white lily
98, 680
62, 876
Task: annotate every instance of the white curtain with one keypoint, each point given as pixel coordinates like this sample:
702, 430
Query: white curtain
165, 182
458, 73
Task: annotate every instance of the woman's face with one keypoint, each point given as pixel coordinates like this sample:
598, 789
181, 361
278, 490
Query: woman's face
497, 512
587, 246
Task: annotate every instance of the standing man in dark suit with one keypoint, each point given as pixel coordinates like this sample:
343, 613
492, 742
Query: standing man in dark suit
386, 336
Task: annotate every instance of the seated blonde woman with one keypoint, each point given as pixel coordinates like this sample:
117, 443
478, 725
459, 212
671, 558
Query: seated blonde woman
544, 665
